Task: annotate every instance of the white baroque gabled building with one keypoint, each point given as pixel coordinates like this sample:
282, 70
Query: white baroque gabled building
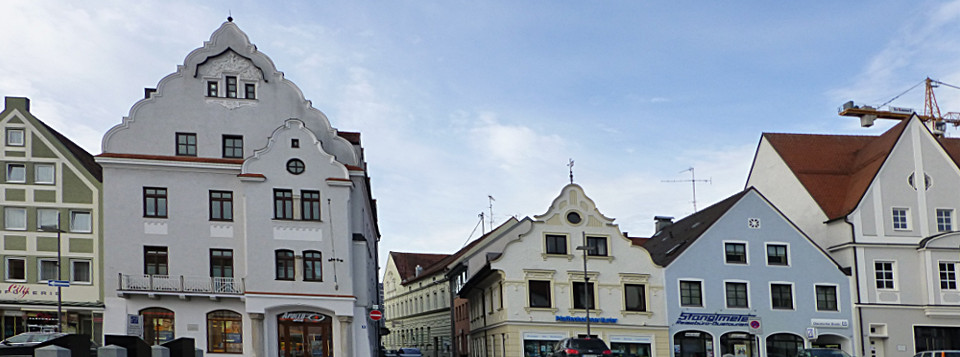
236, 215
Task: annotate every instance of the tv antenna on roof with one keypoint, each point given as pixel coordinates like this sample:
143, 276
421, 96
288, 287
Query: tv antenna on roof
693, 182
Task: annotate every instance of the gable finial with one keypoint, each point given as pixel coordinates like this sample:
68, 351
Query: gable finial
571, 170
229, 16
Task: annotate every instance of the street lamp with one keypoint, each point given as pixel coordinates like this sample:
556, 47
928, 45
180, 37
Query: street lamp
59, 271
586, 280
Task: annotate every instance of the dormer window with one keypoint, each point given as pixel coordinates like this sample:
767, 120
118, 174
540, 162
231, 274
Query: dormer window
231, 86
213, 89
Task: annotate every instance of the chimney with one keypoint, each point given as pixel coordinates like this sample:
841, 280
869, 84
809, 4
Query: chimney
662, 222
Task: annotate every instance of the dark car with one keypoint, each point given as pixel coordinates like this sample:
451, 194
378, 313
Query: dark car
821, 352
581, 347
30, 338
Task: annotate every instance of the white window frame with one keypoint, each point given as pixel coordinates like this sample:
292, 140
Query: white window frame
703, 293
949, 219
836, 290
16, 226
23, 137
6, 266
726, 304
893, 270
793, 295
73, 268
73, 220
940, 279
36, 174
41, 212
746, 252
23, 170
906, 218
40, 262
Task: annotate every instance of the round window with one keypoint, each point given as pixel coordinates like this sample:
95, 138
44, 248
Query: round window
573, 217
295, 166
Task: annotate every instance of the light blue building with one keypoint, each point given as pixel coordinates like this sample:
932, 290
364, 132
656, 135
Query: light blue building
742, 280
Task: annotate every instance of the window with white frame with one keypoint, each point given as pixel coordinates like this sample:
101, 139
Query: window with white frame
735, 253
901, 219
80, 222
16, 173
883, 273
15, 218
44, 173
948, 275
691, 293
781, 296
777, 254
944, 220
80, 271
48, 219
826, 298
48, 269
15, 137
16, 269
737, 295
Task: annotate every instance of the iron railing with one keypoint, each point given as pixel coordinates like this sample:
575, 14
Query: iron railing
180, 284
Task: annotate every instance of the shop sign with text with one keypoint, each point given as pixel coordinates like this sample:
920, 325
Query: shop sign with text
713, 319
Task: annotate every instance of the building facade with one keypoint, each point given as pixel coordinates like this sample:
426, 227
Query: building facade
885, 208
237, 215
740, 262
527, 290
51, 229
417, 303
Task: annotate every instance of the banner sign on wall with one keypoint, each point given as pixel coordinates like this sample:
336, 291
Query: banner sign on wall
713, 319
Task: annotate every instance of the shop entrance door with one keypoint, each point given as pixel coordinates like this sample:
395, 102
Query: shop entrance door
304, 334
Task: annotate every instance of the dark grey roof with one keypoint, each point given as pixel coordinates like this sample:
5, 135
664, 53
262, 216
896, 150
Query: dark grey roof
666, 245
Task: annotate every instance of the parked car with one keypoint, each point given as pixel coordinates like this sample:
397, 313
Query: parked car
409, 352
821, 352
938, 353
581, 347
30, 338
390, 353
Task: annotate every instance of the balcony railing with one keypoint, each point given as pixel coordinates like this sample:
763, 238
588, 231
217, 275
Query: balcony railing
180, 284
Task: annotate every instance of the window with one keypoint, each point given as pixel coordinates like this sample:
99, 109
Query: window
540, 293
690, 293
250, 91
597, 245
900, 220
781, 296
15, 137
224, 329
948, 276
737, 295
232, 146
221, 206
186, 144
231, 87
826, 298
155, 202
155, 260
312, 266
80, 222
16, 173
579, 294
221, 263
295, 143
212, 90
556, 244
944, 220
48, 219
16, 269
80, 271
295, 166
282, 204
634, 297
15, 219
158, 325
310, 205
736, 253
48, 269
777, 254
43, 173
884, 274
284, 264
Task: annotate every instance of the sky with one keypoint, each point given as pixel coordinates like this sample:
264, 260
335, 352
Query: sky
460, 101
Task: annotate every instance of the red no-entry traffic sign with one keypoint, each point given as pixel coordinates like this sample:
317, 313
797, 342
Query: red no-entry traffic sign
376, 315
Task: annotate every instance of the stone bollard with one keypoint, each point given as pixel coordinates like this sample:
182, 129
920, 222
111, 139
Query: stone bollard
111, 351
51, 351
159, 351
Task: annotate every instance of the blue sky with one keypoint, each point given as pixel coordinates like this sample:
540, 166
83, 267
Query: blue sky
461, 100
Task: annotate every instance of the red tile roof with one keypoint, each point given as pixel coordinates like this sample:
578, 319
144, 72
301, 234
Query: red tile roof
407, 263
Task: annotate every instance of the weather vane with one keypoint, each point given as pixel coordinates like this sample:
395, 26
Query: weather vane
571, 170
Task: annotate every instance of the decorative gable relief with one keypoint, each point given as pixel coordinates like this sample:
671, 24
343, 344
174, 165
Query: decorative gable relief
232, 63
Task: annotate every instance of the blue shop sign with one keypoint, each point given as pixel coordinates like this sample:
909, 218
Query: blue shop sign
599, 320
713, 319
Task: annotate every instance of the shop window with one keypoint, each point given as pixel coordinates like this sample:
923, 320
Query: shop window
158, 325
16, 173
224, 332
16, 269
631, 349
44, 174
556, 244
693, 344
15, 137
540, 293
739, 344
186, 144
784, 345
302, 333
736, 253
284, 260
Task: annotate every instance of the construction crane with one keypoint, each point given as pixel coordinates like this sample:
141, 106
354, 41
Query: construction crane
931, 111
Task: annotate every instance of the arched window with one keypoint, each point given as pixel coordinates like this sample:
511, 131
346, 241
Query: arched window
224, 331
284, 264
784, 345
157, 325
312, 267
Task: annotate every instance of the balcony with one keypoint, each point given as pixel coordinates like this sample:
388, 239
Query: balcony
179, 285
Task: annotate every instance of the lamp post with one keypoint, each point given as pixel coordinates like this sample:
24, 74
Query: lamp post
586, 280
59, 271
